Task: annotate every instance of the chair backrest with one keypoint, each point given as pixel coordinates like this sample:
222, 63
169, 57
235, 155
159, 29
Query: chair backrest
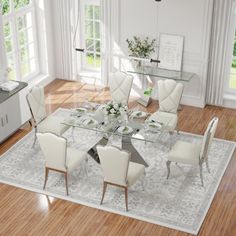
208, 136
169, 93
36, 103
54, 150
115, 163
120, 85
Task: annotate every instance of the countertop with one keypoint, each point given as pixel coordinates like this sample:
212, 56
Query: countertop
4, 95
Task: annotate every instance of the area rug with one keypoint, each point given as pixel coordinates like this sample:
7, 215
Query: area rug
179, 203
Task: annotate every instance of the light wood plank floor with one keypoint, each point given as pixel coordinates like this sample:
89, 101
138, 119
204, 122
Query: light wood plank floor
27, 213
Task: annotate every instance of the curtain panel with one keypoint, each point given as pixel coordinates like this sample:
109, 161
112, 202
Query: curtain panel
67, 15
219, 53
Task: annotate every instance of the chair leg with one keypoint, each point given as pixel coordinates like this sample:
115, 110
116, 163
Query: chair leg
103, 192
126, 198
86, 167
207, 165
46, 177
200, 166
168, 169
35, 137
143, 182
66, 180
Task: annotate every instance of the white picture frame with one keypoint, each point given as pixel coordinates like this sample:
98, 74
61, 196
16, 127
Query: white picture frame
171, 52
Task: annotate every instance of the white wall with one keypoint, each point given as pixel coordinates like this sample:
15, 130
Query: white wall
189, 18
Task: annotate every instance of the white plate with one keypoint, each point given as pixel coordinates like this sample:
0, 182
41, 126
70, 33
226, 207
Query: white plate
69, 121
90, 122
125, 130
139, 114
81, 110
154, 125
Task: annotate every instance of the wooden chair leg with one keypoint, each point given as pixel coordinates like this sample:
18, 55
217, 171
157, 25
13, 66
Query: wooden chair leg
46, 177
66, 180
126, 198
103, 192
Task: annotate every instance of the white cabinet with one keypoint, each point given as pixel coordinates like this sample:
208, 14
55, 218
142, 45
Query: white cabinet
14, 112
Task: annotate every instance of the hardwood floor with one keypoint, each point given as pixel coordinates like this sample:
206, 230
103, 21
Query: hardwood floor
27, 213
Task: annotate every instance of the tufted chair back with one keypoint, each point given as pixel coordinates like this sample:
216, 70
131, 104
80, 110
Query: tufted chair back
169, 93
37, 104
120, 85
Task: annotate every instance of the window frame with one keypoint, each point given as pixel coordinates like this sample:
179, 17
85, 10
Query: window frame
12, 17
232, 33
84, 65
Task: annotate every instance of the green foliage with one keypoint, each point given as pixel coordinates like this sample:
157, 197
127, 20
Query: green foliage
234, 52
148, 92
141, 47
17, 4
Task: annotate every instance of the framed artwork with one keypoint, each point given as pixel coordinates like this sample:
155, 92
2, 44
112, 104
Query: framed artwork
171, 52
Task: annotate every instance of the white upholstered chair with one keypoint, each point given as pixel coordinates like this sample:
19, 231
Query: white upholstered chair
59, 157
41, 122
120, 85
118, 169
169, 93
193, 154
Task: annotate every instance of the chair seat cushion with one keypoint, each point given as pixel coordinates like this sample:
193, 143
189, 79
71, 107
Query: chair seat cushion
168, 119
184, 152
52, 124
74, 158
135, 171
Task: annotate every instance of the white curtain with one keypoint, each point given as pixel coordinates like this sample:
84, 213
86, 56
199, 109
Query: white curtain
219, 58
106, 39
66, 22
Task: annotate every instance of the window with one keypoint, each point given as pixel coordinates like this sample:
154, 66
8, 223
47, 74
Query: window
91, 37
20, 39
232, 81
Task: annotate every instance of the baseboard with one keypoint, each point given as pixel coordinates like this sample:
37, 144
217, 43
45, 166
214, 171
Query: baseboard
193, 101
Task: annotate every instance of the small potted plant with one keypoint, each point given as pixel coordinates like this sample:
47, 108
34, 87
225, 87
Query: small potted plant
141, 47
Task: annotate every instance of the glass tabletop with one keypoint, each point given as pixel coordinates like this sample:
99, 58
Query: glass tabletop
135, 125
162, 73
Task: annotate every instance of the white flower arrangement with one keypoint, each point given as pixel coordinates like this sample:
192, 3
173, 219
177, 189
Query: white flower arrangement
115, 109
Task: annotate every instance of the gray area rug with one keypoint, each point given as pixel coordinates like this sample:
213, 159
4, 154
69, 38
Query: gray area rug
179, 203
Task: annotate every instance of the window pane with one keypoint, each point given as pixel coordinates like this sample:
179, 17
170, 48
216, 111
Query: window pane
97, 30
97, 12
31, 50
98, 60
24, 21
8, 45
89, 29
20, 3
11, 66
24, 54
89, 45
25, 69
88, 11
32, 65
5, 7
98, 46
90, 59
232, 81
7, 29
26, 37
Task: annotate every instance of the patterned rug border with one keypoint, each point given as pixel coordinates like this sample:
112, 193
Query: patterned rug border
123, 213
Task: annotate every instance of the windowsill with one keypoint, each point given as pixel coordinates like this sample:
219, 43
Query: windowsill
91, 77
41, 79
230, 96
